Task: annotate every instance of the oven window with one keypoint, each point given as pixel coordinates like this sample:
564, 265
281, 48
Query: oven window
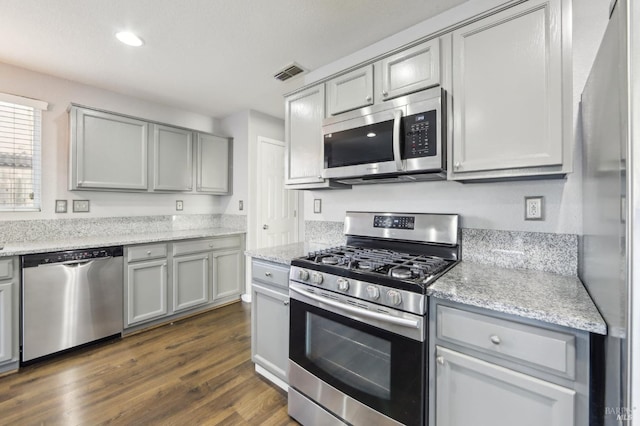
372, 143
350, 355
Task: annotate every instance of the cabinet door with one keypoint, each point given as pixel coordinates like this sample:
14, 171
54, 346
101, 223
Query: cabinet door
228, 274
172, 159
6, 322
410, 70
350, 91
146, 288
507, 90
470, 391
190, 281
304, 113
270, 329
108, 151
213, 159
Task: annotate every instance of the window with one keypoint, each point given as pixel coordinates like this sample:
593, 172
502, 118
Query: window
20, 159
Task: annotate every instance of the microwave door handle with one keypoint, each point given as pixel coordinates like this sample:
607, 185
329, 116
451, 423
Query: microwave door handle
397, 118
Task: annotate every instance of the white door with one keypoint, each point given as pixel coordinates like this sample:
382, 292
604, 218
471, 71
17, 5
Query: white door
277, 215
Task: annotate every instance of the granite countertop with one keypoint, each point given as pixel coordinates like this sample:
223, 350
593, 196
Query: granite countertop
543, 296
71, 243
285, 253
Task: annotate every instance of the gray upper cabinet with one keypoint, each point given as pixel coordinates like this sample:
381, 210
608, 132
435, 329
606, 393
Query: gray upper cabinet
304, 112
113, 152
350, 91
508, 95
212, 168
410, 70
107, 151
172, 158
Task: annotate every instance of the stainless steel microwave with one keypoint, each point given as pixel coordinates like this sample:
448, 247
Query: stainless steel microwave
400, 140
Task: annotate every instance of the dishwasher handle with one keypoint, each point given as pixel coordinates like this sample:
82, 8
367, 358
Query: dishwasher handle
72, 263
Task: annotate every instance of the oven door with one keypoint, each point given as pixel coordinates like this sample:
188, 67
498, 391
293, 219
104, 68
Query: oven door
363, 146
364, 355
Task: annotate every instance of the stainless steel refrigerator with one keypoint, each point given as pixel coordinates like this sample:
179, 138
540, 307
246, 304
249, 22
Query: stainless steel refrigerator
610, 245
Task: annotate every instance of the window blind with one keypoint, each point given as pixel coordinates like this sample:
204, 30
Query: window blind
20, 153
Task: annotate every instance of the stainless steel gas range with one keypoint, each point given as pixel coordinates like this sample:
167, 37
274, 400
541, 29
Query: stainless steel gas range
358, 320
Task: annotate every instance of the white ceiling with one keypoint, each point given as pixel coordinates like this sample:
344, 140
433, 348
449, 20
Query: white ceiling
214, 57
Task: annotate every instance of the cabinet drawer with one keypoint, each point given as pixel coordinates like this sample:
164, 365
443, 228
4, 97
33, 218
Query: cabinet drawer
6, 268
270, 273
208, 244
149, 251
543, 349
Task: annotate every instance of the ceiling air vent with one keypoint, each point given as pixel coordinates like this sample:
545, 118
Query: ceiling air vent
289, 71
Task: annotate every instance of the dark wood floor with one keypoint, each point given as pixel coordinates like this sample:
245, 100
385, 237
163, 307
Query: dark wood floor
196, 371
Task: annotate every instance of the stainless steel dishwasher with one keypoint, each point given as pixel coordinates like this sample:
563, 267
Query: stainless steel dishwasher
70, 298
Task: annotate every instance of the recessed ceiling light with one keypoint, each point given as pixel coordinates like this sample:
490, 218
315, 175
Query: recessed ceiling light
129, 38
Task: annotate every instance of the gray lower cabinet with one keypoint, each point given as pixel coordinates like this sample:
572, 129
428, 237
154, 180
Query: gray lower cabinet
270, 320
190, 281
228, 270
107, 151
168, 280
9, 322
495, 369
146, 283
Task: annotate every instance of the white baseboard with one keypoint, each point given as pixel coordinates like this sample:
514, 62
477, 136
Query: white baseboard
272, 378
246, 297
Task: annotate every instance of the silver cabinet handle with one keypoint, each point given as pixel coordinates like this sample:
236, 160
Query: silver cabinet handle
495, 339
368, 99
440, 360
267, 274
286, 303
385, 93
457, 166
148, 252
265, 226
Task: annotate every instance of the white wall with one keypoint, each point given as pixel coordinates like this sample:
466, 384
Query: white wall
482, 205
59, 93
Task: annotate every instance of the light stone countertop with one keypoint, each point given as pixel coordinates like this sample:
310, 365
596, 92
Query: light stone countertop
285, 253
74, 243
543, 296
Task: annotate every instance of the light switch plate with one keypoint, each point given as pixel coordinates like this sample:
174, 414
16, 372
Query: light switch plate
317, 205
179, 205
80, 206
61, 206
534, 208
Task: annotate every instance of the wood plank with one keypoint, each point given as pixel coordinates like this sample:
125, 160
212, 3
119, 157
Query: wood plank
194, 371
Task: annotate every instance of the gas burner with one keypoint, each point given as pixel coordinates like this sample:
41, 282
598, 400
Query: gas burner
331, 260
365, 265
401, 272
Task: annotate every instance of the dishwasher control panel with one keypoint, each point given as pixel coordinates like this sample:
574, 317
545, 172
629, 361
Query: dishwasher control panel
70, 256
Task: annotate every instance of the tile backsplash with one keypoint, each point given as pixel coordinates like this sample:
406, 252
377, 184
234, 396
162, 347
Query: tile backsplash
557, 253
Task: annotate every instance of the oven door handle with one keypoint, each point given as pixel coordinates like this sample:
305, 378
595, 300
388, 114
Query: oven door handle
359, 311
397, 121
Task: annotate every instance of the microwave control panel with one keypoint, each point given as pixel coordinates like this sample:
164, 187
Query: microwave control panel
420, 135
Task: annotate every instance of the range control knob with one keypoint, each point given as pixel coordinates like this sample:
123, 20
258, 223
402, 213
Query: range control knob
317, 278
303, 274
343, 284
395, 298
373, 292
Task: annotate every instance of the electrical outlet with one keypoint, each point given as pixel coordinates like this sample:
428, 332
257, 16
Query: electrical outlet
80, 206
534, 208
240, 205
179, 205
